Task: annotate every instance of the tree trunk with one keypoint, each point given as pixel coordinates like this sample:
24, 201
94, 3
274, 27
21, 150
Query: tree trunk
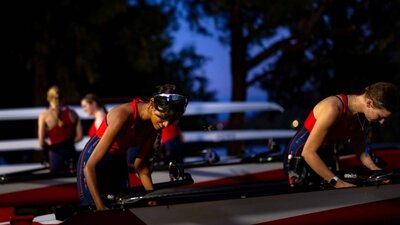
238, 73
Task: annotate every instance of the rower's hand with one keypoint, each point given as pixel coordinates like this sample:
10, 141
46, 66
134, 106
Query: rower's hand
343, 184
374, 167
386, 181
101, 207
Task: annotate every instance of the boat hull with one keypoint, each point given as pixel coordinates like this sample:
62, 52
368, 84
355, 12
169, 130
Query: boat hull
360, 205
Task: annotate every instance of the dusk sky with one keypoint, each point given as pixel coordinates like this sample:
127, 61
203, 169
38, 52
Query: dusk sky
217, 68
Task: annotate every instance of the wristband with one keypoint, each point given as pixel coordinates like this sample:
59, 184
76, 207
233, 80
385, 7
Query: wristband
333, 181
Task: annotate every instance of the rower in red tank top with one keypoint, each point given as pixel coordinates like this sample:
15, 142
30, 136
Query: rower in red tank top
61, 126
65, 132
341, 119
102, 166
94, 107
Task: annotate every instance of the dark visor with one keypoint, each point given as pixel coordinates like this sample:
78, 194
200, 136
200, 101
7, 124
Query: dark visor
174, 98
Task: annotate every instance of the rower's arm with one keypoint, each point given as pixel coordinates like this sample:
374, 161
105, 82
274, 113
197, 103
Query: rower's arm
144, 174
141, 164
359, 146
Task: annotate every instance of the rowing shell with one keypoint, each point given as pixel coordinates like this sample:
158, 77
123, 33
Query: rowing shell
46, 191
262, 205
266, 204
316, 207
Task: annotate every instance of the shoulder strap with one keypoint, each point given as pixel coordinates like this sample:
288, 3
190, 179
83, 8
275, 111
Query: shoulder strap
134, 106
344, 100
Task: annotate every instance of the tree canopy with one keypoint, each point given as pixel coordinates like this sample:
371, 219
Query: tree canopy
297, 51
294, 49
116, 49
302, 51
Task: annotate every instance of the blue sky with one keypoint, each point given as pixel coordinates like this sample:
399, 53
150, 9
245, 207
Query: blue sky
217, 68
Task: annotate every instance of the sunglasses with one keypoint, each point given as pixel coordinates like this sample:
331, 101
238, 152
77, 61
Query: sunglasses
174, 98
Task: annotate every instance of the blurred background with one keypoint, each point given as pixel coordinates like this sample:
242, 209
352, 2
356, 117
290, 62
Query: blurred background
290, 52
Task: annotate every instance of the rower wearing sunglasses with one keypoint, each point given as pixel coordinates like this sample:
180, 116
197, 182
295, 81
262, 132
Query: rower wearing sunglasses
102, 167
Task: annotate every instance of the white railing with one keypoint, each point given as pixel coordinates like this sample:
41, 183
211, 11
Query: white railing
194, 108
188, 136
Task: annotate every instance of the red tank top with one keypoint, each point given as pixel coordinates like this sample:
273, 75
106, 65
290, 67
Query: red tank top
139, 133
169, 132
92, 129
66, 132
310, 121
343, 130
